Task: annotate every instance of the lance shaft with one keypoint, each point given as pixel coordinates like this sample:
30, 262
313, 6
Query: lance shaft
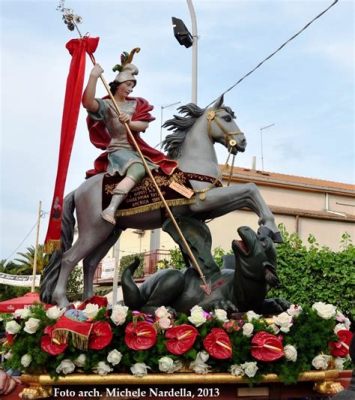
205, 286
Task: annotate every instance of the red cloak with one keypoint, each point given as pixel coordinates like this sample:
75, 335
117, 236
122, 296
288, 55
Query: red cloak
100, 138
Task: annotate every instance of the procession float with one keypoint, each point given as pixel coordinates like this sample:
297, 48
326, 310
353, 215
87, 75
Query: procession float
202, 326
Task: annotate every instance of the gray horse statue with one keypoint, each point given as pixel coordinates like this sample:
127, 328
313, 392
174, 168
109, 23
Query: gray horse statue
191, 143
239, 287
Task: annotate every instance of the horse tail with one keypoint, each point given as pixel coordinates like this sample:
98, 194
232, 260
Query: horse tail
51, 272
131, 294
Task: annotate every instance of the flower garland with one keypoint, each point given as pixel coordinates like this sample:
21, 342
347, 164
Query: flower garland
95, 339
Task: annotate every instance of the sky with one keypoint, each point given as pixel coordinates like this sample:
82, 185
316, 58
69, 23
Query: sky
306, 90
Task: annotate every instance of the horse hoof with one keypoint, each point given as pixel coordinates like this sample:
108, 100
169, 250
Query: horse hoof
264, 232
108, 217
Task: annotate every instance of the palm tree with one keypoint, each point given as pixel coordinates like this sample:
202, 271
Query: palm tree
25, 264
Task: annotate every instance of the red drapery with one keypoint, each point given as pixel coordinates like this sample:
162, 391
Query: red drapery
77, 49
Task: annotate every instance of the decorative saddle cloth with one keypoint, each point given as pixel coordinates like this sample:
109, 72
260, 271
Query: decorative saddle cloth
144, 196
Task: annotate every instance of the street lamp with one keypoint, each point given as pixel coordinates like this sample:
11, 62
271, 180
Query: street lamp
261, 143
162, 108
187, 39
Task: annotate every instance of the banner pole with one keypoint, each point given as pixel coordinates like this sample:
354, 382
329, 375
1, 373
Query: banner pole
34, 271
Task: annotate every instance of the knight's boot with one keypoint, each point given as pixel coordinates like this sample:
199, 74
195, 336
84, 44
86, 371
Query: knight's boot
108, 214
119, 194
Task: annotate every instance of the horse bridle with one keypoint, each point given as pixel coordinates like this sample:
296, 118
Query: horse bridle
228, 136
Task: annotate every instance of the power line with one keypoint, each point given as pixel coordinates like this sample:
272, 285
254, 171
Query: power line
277, 50
43, 213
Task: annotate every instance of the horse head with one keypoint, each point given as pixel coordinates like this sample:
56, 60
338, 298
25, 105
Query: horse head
222, 128
218, 120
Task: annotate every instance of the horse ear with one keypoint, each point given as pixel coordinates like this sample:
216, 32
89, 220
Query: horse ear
219, 102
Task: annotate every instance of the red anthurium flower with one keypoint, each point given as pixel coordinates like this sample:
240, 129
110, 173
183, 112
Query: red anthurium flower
140, 335
100, 301
100, 336
341, 347
266, 347
9, 339
180, 338
50, 345
218, 344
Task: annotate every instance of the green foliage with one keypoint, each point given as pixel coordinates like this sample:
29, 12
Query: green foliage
7, 291
177, 259
314, 273
75, 284
127, 260
26, 260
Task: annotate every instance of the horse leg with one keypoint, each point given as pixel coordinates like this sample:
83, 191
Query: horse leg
220, 201
81, 249
92, 260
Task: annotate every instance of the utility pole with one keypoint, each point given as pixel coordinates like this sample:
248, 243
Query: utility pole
261, 144
194, 51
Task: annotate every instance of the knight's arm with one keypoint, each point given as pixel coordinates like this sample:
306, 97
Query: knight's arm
141, 117
138, 126
88, 100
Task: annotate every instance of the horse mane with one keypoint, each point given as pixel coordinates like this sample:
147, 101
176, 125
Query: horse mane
180, 126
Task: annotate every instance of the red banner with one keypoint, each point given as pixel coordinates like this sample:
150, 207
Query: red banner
77, 49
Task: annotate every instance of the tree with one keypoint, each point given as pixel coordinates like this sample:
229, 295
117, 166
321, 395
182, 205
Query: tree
25, 264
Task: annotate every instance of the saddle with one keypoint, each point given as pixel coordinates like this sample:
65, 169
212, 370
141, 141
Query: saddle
144, 196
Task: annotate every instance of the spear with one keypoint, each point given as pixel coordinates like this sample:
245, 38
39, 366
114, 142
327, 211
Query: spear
72, 20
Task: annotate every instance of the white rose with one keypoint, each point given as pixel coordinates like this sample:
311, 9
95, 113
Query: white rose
290, 352
119, 314
202, 356
139, 369
102, 368
168, 365
294, 310
325, 311
26, 360
221, 315
339, 363
91, 310
236, 370
340, 317
248, 329
339, 327
54, 312
114, 357
22, 313
66, 367
275, 328
8, 355
80, 360
12, 327
250, 368
162, 312
284, 321
200, 367
164, 323
321, 361
32, 325
252, 315
198, 316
